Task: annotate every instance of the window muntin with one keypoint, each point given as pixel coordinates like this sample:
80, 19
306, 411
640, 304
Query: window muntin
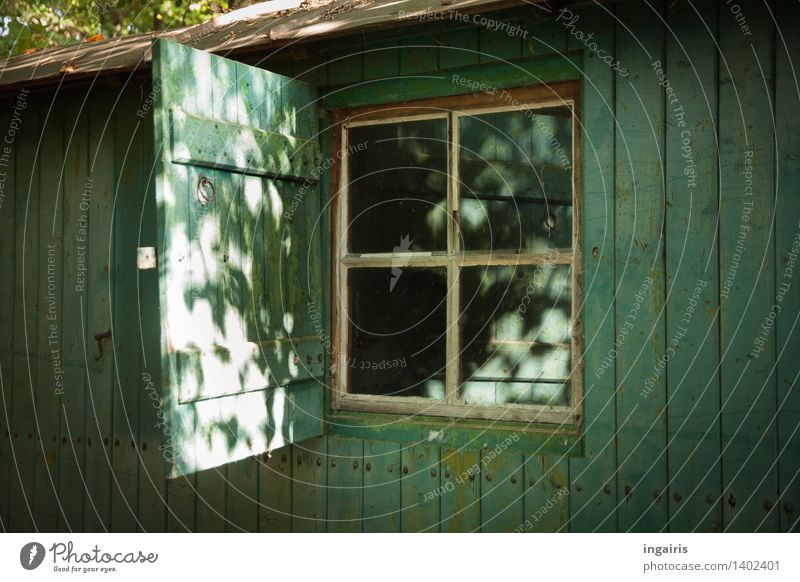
508, 354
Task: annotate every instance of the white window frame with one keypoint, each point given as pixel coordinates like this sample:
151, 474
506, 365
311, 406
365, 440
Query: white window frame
453, 260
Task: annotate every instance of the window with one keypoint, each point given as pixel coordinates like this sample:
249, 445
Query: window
456, 257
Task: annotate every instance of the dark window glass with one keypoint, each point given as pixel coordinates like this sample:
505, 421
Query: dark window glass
397, 322
398, 187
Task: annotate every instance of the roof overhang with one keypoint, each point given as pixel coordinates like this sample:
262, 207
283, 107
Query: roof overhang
265, 25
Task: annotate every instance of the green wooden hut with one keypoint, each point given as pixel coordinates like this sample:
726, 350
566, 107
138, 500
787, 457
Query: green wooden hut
373, 266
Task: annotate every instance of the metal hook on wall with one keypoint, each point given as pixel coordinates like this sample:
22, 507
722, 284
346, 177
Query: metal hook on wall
206, 192
99, 337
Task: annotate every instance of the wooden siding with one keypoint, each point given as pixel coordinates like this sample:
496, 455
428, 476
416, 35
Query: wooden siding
85, 459
712, 443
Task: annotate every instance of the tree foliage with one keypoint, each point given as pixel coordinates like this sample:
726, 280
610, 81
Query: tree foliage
38, 24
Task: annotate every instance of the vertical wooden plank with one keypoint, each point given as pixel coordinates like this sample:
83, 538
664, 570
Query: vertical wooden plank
546, 490
155, 430
72, 450
99, 369
325, 201
219, 99
345, 484
272, 224
263, 237
171, 68
382, 476
787, 334
309, 417
49, 386
593, 497
298, 118
275, 491
236, 100
8, 197
502, 492
181, 494
242, 495
639, 217
421, 477
303, 257
125, 339
459, 48
233, 85
255, 104
418, 54
25, 150
211, 497
239, 88
309, 485
238, 220
692, 274
460, 490
747, 275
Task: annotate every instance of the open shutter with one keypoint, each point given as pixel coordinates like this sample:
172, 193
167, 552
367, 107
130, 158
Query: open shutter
239, 257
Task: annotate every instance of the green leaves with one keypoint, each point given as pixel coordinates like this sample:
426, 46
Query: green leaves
39, 25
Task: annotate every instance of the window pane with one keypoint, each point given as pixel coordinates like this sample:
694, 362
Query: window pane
397, 321
516, 180
516, 331
398, 187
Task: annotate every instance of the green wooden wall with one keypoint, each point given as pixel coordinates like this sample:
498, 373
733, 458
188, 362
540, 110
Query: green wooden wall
706, 439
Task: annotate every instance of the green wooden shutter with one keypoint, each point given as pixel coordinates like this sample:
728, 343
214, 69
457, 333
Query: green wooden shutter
239, 257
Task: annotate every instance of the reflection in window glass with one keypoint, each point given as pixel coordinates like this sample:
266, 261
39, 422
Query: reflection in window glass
398, 187
397, 320
515, 176
516, 335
